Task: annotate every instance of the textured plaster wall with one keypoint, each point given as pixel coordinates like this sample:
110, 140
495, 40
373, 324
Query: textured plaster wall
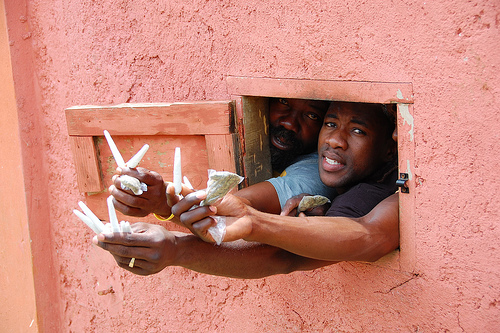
18, 309
111, 51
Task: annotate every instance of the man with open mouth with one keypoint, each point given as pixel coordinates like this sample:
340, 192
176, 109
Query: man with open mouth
294, 125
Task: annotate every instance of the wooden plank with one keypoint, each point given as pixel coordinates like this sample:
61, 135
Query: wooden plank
88, 174
159, 158
240, 140
197, 118
257, 158
221, 151
348, 91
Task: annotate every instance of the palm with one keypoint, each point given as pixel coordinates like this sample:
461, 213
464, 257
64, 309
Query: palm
238, 224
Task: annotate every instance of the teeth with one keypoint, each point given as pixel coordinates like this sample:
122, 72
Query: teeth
330, 161
281, 141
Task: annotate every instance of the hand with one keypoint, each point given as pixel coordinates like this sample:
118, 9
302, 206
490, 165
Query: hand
198, 220
290, 207
157, 199
152, 246
154, 200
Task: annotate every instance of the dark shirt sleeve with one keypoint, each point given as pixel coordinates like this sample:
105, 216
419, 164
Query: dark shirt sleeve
362, 198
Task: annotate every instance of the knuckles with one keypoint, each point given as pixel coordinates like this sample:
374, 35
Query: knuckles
124, 251
155, 257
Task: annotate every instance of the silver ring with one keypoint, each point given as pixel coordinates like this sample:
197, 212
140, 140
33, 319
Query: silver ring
131, 263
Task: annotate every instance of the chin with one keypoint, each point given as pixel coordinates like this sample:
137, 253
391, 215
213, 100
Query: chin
331, 180
327, 180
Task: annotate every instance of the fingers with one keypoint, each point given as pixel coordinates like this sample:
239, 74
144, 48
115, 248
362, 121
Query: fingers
117, 184
151, 246
146, 258
123, 251
318, 211
289, 209
196, 214
140, 267
144, 175
129, 204
152, 200
289, 206
153, 192
197, 220
172, 198
133, 241
200, 228
187, 202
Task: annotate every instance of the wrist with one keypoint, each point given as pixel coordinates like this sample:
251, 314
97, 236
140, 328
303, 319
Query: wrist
185, 245
264, 227
252, 224
164, 210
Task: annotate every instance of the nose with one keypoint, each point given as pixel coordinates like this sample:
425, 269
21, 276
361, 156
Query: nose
337, 139
290, 122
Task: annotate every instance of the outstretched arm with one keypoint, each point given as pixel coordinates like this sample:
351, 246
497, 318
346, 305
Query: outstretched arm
332, 238
324, 238
261, 196
156, 248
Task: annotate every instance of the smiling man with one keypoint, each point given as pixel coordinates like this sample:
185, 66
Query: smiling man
294, 125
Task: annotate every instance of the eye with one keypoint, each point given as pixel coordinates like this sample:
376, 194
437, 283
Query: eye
358, 131
312, 116
283, 101
330, 124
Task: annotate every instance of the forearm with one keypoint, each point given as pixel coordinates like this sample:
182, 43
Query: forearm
261, 196
239, 259
331, 238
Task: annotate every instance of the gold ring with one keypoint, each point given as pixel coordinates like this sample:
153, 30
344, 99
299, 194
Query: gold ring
131, 263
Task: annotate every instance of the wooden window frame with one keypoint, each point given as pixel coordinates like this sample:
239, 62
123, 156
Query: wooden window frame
245, 89
209, 119
236, 133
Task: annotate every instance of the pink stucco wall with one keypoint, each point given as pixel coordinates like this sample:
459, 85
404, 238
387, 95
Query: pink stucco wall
67, 53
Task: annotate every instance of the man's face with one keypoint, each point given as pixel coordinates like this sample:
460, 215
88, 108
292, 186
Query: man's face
294, 128
353, 143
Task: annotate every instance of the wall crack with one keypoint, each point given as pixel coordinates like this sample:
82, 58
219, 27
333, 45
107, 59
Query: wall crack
413, 276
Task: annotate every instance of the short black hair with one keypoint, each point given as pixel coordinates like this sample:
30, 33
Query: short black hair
389, 111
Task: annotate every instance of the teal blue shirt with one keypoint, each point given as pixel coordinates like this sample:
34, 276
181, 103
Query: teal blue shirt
301, 177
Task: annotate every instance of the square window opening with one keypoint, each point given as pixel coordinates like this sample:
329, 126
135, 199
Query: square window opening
253, 95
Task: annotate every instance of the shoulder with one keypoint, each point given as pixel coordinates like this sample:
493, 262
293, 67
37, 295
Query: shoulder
304, 165
363, 197
309, 159
301, 177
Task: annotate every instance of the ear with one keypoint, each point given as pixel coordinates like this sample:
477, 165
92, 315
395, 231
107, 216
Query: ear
395, 134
